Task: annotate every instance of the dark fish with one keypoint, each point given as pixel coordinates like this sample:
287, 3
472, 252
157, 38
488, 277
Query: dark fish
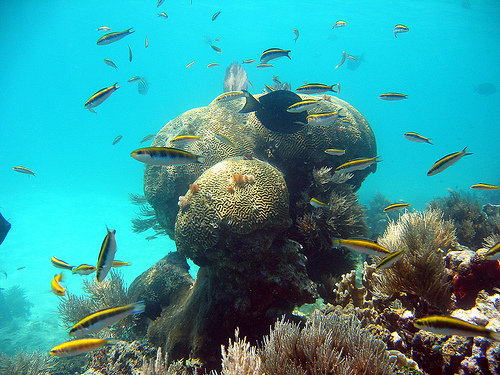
235, 78
20, 268
129, 54
485, 89
215, 48
271, 110
113, 37
4, 229
117, 139
143, 86
214, 17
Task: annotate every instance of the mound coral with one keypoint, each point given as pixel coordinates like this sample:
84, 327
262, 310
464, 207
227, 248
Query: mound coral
421, 271
471, 223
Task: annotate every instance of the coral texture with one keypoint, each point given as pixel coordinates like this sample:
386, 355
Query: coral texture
421, 271
26, 364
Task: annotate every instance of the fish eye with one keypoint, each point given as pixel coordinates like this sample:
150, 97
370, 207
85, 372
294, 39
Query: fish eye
140, 152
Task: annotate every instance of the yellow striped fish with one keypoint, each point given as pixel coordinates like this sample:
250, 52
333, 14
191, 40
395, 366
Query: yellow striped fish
56, 286
482, 186
323, 118
163, 15
494, 252
117, 263
447, 161
249, 61
185, 138
100, 96
211, 65
23, 170
60, 264
105, 318
357, 164
84, 269
339, 23
315, 88
334, 151
165, 156
230, 95
362, 246
274, 53
113, 37
263, 66
302, 106
448, 325
190, 64
396, 206
76, 347
391, 96
400, 29
106, 255
411, 136
390, 259
104, 28
317, 204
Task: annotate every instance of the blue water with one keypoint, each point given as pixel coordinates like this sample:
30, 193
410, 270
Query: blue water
51, 65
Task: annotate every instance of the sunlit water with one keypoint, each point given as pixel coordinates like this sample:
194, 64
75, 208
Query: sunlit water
51, 65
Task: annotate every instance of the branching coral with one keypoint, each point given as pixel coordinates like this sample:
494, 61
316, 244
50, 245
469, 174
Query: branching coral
330, 343
26, 364
472, 224
421, 271
111, 292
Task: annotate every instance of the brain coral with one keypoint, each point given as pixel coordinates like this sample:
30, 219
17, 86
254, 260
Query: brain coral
235, 197
296, 155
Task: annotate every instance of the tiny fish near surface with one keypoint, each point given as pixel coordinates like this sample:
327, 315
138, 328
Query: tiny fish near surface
117, 139
398, 29
214, 17
130, 54
392, 96
110, 63
113, 37
23, 170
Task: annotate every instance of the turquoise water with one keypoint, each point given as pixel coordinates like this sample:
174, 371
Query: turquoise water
51, 65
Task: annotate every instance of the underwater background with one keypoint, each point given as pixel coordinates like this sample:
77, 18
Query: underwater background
51, 65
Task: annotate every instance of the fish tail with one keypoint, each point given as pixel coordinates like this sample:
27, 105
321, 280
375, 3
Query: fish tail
336, 243
251, 104
288, 54
112, 341
130, 32
139, 308
495, 335
465, 151
378, 159
116, 86
429, 141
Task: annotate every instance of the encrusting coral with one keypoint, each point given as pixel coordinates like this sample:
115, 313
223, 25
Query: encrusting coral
421, 271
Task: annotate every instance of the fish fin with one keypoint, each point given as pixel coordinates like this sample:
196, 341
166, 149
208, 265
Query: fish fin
495, 335
92, 110
251, 104
139, 308
130, 32
336, 243
465, 150
116, 86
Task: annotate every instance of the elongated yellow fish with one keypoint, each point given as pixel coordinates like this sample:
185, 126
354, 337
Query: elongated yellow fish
447, 161
482, 186
113, 37
190, 64
390, 259
317, 204
185, 138
338, 24
23, 170
106, 255
411, 136
76, 347
56, 286
165, 156
400, 29
302, 106
84, 269
105, 318
494, 252
100, 96
334, 151
316, 88
392, 96
230, 95
362, 246
274, 53
396, 206
357, 164
60, 264
118, 263
323, 118
447, 325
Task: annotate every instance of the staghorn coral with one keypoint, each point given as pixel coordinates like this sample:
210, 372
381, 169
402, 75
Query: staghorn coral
472, 225
26, 364
421, 271
112, 292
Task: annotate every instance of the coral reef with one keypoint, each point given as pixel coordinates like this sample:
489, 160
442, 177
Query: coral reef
421, 271
26, 364
473, 273
111, 292
331, 342
471, 223
14, 304
296, 155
